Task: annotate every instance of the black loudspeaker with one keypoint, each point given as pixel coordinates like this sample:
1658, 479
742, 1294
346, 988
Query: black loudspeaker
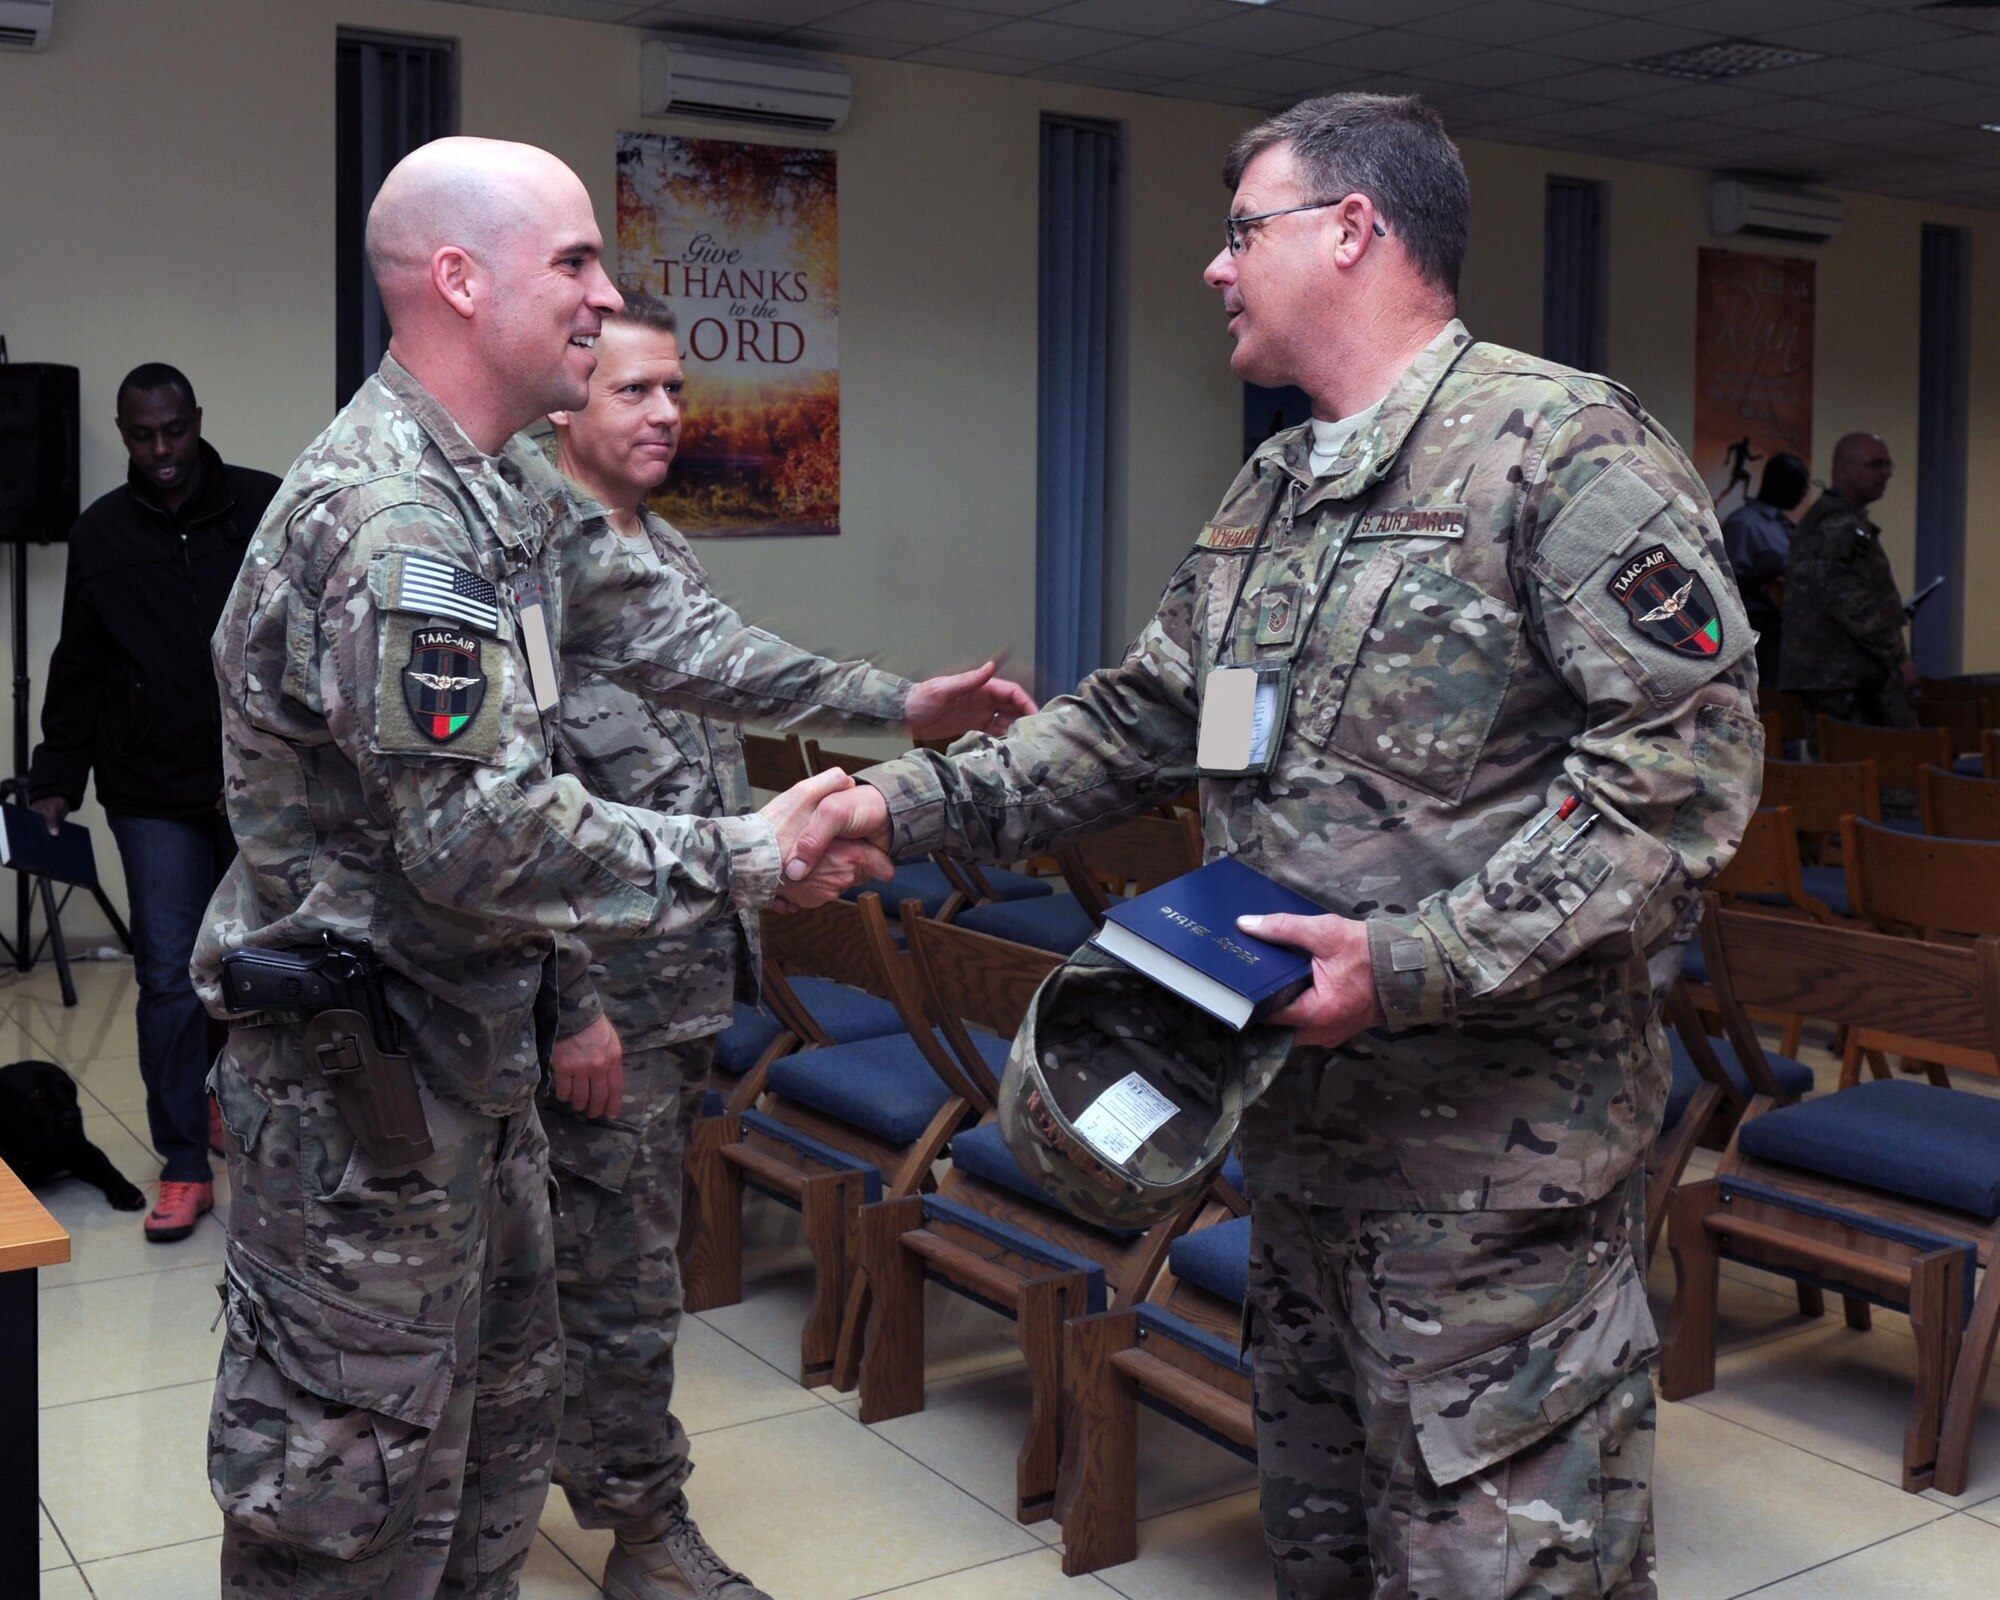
38, 451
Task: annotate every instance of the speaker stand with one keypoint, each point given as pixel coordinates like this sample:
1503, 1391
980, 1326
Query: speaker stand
22, 948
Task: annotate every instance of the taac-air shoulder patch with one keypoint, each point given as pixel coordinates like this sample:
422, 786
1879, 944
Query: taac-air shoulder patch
1668, 604
443, 682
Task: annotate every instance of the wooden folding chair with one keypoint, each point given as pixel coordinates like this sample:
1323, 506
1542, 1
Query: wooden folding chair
1101, 868
1896, 752
1819, 794
1956, 807
989, 1232
1917, 886
1181, 1349
775, 762
1700, 1089
1962, 719
1888, 1193
836, 1125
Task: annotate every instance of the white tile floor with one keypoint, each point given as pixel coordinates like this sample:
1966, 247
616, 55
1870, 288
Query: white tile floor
1782, 1481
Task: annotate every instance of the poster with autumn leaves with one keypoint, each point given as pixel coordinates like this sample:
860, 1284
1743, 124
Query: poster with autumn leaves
742, 241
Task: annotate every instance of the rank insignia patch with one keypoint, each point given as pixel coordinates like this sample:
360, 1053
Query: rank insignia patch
1669, 604
442, 681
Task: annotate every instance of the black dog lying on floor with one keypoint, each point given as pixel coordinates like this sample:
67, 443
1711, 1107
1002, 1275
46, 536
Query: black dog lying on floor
41, 1133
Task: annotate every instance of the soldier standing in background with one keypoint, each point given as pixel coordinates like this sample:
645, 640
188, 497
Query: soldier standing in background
389, 1389
1757, 536
617, 1141
1514, 736
1845, 652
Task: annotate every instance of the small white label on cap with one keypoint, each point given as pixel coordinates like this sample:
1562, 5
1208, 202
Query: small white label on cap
1124, 1117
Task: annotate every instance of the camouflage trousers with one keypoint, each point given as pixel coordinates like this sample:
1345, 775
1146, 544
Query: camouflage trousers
1453, 1405
623, 1454
387, 1396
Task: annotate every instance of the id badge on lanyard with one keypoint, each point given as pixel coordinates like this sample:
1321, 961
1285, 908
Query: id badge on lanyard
1242, 719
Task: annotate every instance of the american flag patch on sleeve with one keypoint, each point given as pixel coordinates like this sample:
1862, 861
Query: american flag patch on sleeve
437, 589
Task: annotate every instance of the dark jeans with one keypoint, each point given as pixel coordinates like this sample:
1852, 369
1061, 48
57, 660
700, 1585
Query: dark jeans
171, 869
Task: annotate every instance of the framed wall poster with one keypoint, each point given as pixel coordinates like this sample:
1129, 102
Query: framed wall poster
742, 240
1753, 368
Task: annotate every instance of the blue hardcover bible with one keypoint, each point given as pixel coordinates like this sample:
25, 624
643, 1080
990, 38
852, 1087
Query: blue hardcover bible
1184, 937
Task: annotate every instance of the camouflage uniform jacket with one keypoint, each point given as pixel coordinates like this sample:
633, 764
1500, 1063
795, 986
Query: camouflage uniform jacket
1843, 620
387, 768
1509, 590
635, 749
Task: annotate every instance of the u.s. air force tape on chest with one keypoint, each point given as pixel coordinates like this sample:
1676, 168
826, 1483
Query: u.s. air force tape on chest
1242, 715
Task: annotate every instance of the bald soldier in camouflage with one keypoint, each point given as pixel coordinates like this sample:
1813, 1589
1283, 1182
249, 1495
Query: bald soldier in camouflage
617, 1143
1844, 646
1480, 587
390, 1384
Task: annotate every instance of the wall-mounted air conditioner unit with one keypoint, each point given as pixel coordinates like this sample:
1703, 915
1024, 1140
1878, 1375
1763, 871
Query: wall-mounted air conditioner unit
1772, 211
25, 24
739, 83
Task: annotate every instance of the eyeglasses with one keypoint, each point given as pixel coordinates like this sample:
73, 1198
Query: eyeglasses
1235, 228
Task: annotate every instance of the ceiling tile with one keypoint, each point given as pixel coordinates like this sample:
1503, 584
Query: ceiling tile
1475, 106
1694, 101
1831, 77
1778, 113
1944, 55
1011, 8
1045, 41
1491, 67
1275, 75
1595, 85
585, 10
780, 13
1377, 13
846, 44
907, 23
969, 60
1504, 22
1903, 93
1270, 32
1217, 94
1093, 77
1876, 31
1756, 19
1389, 50
1137, 16
1630, 40
1167, 58
1883, 129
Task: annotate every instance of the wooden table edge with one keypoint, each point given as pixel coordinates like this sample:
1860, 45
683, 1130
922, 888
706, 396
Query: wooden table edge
29, 1236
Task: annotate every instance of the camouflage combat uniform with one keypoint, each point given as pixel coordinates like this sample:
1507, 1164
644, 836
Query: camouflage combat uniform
623, 1455
1508, 591
1843, 642
390, 1387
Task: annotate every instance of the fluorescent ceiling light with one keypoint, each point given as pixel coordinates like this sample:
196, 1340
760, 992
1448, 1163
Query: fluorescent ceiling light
1726, 58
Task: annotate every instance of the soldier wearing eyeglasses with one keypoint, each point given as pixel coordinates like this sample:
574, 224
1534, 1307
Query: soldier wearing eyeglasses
1514, 735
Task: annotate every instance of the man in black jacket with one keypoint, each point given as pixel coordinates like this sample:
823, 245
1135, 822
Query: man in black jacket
132, 697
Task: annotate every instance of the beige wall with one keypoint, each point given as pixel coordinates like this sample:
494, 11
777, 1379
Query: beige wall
166, 191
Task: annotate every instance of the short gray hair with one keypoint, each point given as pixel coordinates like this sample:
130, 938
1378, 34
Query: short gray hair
1393, 149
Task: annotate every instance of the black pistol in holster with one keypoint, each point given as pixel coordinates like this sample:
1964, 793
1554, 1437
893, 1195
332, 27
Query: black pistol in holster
350, 1037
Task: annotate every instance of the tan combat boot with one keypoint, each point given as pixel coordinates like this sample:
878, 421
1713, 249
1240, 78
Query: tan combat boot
675, 1564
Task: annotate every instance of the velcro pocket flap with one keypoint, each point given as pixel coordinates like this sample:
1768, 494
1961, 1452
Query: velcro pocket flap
377, 1364
598, 1152
1599, 523
1478, 1412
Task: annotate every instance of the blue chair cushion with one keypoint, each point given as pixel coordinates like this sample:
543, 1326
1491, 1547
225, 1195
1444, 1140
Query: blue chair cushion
1015, 885
881, 1086
847, 1013
1829, 884
1911, 1139
1970, 766
912, 880
738, 1047
1057, 924
1216, 1259
1694, 961
1794, 1077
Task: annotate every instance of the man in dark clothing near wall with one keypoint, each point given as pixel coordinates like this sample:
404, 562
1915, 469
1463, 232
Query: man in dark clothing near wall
132, 697
1757, 536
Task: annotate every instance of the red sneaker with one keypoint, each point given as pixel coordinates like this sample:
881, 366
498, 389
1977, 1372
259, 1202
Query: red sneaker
177, 1210
218, 1136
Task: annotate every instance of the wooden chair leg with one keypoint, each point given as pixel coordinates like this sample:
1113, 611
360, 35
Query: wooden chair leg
1860, 1314
714, 1266
1968, 1382
1788, 1042
827, 1203
1812, 1302
892, 1371
1044, 1305
1100, 1491
1687, 1363
853, 1332
1937, 1298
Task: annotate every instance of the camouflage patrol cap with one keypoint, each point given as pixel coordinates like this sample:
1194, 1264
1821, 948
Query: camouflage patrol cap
1120, 1099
